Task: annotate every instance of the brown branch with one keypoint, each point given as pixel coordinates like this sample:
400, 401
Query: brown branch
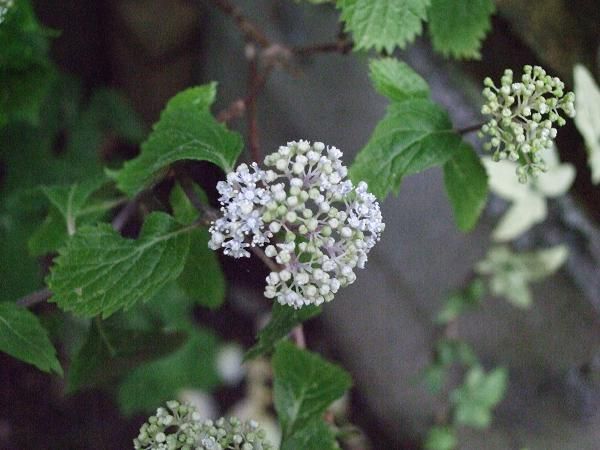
248, 28
238, 107
342, 46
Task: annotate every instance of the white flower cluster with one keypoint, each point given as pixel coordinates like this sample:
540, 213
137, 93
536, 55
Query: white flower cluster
322, 226
178, 426
523, 116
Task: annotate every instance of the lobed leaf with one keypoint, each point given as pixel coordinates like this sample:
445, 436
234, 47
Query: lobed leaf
413, 136
383, 24
186, 131
100, 272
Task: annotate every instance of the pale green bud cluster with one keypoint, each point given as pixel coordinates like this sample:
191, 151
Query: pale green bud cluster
175, 427
233, 434
178, 426
524, 115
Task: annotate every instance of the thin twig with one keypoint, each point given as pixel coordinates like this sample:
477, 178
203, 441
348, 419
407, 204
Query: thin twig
342, 46
265, 259
250, 30
238, 107
470, 128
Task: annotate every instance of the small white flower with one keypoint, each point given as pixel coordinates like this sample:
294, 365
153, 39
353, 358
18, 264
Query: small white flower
303, 197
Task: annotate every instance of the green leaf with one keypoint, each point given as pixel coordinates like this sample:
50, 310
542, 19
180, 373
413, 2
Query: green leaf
383, 24
25, 68
71, 200
100, 272
186, 131
49, 236
317, 435
112, 350
202, 277
462, 301
587, 120
23, 337
479, 394
23, 92
283, 320
450, 351
457, 28
396, 80
511, 273
304, 386
151, 384
441, 438
24, 40
466, 184
413, 136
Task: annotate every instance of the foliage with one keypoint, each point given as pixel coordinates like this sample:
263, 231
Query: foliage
22, 336
132, 287
305, 385
186, 131
457, 28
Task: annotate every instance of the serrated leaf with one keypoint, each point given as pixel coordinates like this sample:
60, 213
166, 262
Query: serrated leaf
465, 179
413, 136
23, 337
441, 438
396, 80
479, 394
202, 278
304, 386
315, 436
383, 24
587, 120
100, 272
151, 384
458, 27
186, 131
283, 320
112, 350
